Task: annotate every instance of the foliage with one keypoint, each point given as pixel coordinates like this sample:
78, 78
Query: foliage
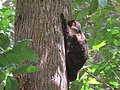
12, 59
7, 19
12, 55
100, 21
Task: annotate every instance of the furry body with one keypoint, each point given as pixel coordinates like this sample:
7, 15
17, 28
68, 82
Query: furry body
77, 49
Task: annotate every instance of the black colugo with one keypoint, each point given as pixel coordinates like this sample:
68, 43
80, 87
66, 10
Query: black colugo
76, 48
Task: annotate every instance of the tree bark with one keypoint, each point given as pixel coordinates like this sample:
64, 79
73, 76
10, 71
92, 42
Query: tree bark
39, 20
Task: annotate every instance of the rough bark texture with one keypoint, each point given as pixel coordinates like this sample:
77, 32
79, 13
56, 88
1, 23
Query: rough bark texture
39, 20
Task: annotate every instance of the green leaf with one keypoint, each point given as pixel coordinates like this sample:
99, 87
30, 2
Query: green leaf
3, 60
93, 81
18, 54
25, 69
107, 68
114, 83
4, 41
76, 85
2, 77
10, 57
22, 43
15, 58
99, 21
118, 35
116, 42
8, 12
30, 54
86, 85
11, 83
25, 52
5, 22
115, 31
97, 47
108, 55
118, 1
100, 69
93, 6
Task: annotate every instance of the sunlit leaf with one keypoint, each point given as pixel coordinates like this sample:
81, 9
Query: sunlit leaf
115, 31
93, 81
86, 84
116, 42
5, 22
114, 83
118, 35
97, 47
8, 12
108, 68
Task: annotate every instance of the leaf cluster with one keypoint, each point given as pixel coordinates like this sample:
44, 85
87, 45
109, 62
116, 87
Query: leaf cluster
12, 60
13, 54
100, 21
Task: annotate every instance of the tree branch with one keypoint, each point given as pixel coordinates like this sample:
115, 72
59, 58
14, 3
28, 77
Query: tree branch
98, 79
113, 70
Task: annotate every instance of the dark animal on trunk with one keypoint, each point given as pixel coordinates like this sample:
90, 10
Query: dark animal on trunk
76, 49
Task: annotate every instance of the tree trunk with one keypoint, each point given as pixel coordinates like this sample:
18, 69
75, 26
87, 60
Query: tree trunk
39, 20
